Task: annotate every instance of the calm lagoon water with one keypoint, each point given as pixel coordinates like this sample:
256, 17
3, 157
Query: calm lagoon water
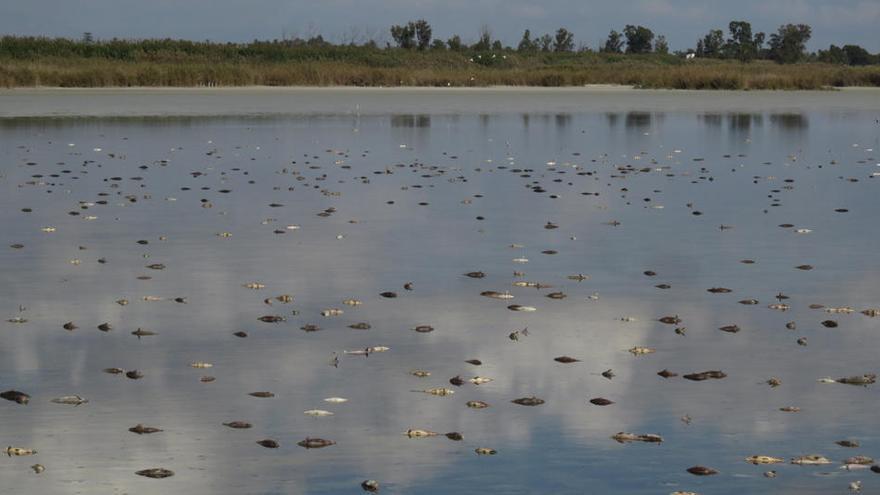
427, 186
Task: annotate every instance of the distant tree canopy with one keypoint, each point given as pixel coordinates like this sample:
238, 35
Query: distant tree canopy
789, 42
614, 43
415, 34
660, 45
847, 55
564, 41
638, 39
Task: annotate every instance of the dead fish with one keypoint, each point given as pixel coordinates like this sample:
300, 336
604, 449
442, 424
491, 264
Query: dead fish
763, 459
517, 307
566, 359
424, 329
420, 373
254, 285
496, 295
358, 352
860, 460
156, 266
284, 298
475, 274
408, 286
770, 474
71, 400
207, 379
804, 267
608, 374
317, 413
455, 436
475, 362
665, 373
134, 374
360, 326
579, 277
623, 437
271, 318
601, 401
663, 286
810, 460
262, 395
639, 351
855, 486
791, 325
19, 451
141, 429
105, 327
17, 319
122, 302
774, 382
847, 443
413, 433
650, 273
331, 312
872, 312
719, 290
701, 471
239, 425
152, 298
557, 295
477, 404
352, 302
730, 328
829, 324
866, 379
480, 380
705, 375
69, 326
200, 364
336, 400
485, 451
779, 307
309, 327
240, 334
528, 401
378, 348
790, 409
749, 301
802, 341
841, 310
157, 473
388, 295
371, 486
269, 443
16, 396
140, 332
439, 391
670, 320
38, 468
816, 306
114, 371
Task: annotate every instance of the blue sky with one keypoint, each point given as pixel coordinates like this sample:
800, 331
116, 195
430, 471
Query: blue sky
682, 21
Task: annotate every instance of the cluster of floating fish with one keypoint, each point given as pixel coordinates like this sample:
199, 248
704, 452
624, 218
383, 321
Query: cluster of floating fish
517, 336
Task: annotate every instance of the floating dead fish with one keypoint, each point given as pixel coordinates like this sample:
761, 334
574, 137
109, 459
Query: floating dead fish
810, 460
701, 471
331, 312
378, 348
309, 327
262, 395
134, 374
866, 379
601, 401
705, 375
315, 443
122, 302
360, 326
239, 425
269, 443
528, 401
840, 310
71, 400
791, 325
17, 319
157, 473
371, 486
412, 433
439, 391
719, 290
872, 312
336, 400
566, 359
284, 298
142, 430
774, 382
69, 326
557, 295
152, 298
608, 374
860, 460
240, 334
156, 266
779, 307
663, 286
254, 285
424, 329
749, 301
763, 459
804, 267
730, 328
624, 437
352, 302
200, 364
19, 451
790, 409
420, 373
16, 396
475, 362
207, 379
666, 373
271, 318
475, 274
105, 327
829, 324
670, 320
477, 404
38, 468
388, 295
579, 277
114, 371
140, 332
770, 474
640, 350
480, 380
517, 307
485, 451
317, 413
848, 443
496, 295
457, 380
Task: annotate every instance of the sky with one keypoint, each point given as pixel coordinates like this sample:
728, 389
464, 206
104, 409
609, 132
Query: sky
681, 21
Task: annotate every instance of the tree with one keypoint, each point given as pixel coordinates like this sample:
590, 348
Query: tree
638, 39
454, 43
614, 43
856, 55
564, 41
742, 45
833, 55
438, 44
526, 44
485, 42
87, 38
660, 45
404, 36
546, 43
423, 33
788, 43
711, 45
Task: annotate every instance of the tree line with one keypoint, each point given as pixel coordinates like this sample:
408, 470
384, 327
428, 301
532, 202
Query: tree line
787, 45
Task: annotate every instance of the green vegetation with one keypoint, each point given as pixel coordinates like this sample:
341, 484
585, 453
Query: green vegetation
635, 56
